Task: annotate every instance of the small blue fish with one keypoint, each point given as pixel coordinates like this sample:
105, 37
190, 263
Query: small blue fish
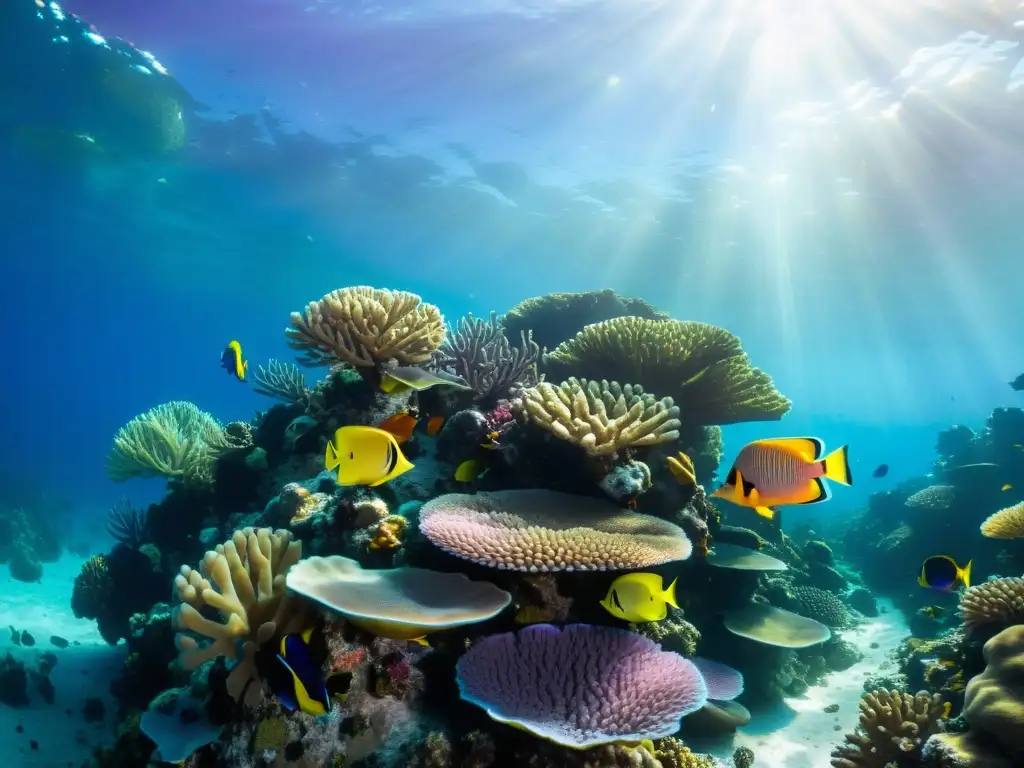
881, 471
231, 361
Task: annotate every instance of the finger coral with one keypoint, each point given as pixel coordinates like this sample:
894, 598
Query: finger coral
538, 530
244, 581
580, 685
999, 601
1005, 524
174, 439
892, 728
601, 417
365, 326
702, 366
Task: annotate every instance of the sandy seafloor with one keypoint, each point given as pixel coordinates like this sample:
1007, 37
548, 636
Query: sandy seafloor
84, 669
798, 733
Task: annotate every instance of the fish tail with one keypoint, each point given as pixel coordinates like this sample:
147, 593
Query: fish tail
836, 466
965, 574
331, 461
767, 512
670, 594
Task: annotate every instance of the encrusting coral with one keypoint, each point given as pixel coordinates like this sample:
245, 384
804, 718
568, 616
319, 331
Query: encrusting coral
999, 601
821, 606
702, 366
1007, 523
893, 726
174, 439
601, 417
366, 326
244, 580
994, 700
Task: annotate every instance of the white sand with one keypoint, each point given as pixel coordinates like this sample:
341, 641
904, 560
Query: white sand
799, 733
82, 670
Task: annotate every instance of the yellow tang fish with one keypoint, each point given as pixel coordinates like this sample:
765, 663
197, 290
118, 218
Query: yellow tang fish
639, 597
395, 381
777, 472
365, 456
232, 362
469, 470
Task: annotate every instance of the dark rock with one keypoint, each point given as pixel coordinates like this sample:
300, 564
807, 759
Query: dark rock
93, 710
15, 636
863, 601
47, 661
27, 639
34, 744
13, 682
44, 687
58, 641
20, 728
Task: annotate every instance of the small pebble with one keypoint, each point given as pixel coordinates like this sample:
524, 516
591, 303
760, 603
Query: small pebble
873, 645
837, 727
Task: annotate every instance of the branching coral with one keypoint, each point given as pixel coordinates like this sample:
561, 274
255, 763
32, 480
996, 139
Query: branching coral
174, 439
282, 381
1000, 601
601, 417
244, 581
366, 326
1005, 524
480, 353
702, 366
892, 728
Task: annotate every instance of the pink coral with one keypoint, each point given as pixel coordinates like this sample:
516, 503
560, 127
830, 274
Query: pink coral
581, 685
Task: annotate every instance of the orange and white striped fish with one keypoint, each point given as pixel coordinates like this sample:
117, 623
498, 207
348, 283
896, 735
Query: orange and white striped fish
787, 470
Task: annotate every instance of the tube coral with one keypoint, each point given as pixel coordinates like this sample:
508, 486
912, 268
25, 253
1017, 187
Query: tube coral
601, 417
366, 326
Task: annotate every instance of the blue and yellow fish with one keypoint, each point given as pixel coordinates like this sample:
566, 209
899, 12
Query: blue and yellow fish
231, 360
298, 682
942, 572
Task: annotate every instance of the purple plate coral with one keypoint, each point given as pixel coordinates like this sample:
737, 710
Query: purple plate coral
581, 685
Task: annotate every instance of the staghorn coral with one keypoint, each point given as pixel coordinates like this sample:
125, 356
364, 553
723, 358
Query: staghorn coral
536, 530
999, 601
703, 367
365, 327
541, 678
821, 606
602, 418
892, 728
480, 353
933, 497
244, 581
281, 381
1007, 523
174, 439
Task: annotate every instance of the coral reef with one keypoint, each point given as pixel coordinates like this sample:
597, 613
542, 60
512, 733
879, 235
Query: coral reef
1000, 601
892, 729
479, 352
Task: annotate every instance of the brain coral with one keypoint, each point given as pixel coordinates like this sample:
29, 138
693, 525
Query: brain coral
537, 530
994, 700
581, 685
821, 606
1000, 601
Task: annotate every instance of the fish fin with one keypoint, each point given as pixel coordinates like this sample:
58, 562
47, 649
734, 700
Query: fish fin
766, 512
921, 581
810, 448
816, 491
287, 697
965, 574
836, 466
307, 634
752, 494
421, 640
670, 594
331, 461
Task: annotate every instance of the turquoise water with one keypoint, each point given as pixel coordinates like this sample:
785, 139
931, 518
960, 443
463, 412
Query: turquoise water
837, 183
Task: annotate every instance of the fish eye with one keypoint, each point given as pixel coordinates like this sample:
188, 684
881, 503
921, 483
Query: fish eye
351, 455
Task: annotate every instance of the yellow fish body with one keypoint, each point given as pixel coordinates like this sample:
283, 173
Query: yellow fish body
395, 381
469, 470
783, 471
231, 360
390, 630
365, 456
640, 597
